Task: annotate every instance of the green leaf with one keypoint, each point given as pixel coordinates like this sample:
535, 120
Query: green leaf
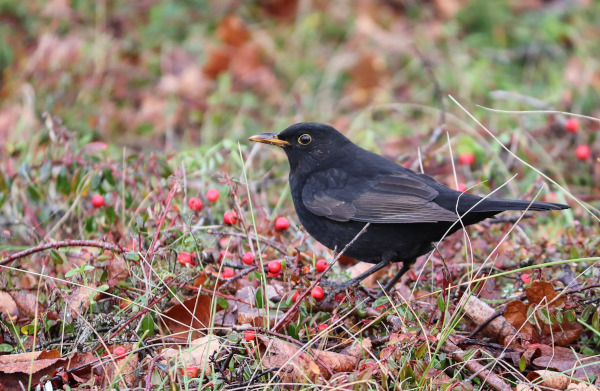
294, 330
90, 224
222, 302
6, 348
570, 315
72, 272
62, 182
587, 312
544, 316
103, 288
108, 176
45, 172
440, 303
522, 363
258, 299
380, 301
110, 214
57, 257
559, 317
132, 256
595, 321
147, 326
96, 182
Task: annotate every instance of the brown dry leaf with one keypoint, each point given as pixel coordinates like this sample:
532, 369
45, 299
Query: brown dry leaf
565, 360
256, 316
117, 269
8, 306
27, 303
549, 379
298, 366
561, 334
366, 75
581, 387
280, 9
516, 315
218, 61
15, 369
192, 315
122, 370
542, 292
79, 301
233, 31
247, 66
362, 267
198, 353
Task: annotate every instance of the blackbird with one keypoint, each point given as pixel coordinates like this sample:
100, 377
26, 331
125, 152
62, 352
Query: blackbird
338, 187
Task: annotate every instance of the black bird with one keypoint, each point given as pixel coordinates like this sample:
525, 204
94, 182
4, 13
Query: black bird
338, 187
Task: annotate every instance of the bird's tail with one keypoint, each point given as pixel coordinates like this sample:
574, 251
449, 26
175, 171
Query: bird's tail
493, 205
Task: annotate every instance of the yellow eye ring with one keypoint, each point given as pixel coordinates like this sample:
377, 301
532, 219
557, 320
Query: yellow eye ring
305, 139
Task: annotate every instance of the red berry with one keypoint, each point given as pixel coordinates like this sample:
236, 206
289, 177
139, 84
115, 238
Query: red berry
295, 296
583, 152
461, 187
227, 272
248, 258
212, 195
249, 335
468, 158
224, 254
190, 371
281, 224
339, 297
230, 218
195, 204
526, 278
318, 293
97, 201
120, 352
322, 327
184, 258
274, 267
572, 125
322, 265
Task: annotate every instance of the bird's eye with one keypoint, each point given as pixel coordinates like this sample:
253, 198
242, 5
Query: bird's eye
305, 139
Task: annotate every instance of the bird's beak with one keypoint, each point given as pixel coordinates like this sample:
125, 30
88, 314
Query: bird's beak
268, 138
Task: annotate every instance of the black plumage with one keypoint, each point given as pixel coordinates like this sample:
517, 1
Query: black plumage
337, 187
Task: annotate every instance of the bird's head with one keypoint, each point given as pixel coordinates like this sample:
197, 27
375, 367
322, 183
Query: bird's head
307, 144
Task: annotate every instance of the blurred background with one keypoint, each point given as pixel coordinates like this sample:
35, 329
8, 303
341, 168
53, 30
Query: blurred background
178, 75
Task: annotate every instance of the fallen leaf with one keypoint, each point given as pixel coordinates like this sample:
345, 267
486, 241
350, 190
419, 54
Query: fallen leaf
122, 370
233, 31
8, 306
542, 292
549, 379
566, 361
79, 301
16, 369
197, 354
299, 366
194, 315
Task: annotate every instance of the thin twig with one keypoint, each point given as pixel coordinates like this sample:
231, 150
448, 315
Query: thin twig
63, 243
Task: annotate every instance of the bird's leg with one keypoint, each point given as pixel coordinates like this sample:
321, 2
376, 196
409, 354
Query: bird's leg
388, 287
356, 280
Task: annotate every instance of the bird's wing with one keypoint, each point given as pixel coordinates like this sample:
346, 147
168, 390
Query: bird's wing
396, 198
